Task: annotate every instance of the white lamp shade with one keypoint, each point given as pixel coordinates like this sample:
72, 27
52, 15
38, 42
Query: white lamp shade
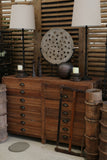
22, 16
86, 12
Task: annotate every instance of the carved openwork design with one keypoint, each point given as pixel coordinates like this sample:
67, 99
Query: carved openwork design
57, 46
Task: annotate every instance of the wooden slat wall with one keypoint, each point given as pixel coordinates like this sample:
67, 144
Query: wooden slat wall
58, 13
16, 36
5, 44
104, 11
96, 45
96, 51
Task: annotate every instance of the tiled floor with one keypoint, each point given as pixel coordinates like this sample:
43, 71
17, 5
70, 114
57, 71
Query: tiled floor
36, 151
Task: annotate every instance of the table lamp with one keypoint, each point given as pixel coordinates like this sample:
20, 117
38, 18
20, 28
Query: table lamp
22, 17
86, 13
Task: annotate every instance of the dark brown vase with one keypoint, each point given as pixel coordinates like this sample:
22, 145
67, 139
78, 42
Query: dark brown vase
64, 70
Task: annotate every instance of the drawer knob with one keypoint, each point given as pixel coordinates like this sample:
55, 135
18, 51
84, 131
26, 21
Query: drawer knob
22, 115
22, 129
65, 105
65, 113
22, 107
22, 84
65, 96
22, 122
22, 91
65, 129
65, 137
65, 120
22, 100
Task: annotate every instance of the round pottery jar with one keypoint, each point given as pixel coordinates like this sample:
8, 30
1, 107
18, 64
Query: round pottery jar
64, 70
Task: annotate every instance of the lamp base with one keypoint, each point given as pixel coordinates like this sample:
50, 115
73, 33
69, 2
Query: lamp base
86, 78
21, 74
75, 77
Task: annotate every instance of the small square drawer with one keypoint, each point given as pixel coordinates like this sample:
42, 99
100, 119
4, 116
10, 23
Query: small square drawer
65, 121
64, 129
66, 113
64, 138
67, 95
66, 105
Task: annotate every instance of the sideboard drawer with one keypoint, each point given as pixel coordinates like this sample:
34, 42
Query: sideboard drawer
23, 100
24, 92
25, 107
22, 83
24, 122
24, 130
24, 115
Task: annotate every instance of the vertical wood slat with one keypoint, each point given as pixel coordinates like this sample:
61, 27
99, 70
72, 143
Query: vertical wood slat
37, 7
82, 50
0, 16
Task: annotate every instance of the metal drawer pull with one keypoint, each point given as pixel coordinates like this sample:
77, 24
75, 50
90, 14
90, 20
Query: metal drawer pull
65, 113
65, 105
65, 120
65, 137
22, 122
22, 91
65, 96
22, 107
22, 115
22, 100
22, 129
22, 84
65, 129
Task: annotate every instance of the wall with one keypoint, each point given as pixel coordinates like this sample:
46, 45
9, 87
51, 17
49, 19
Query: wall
58, 13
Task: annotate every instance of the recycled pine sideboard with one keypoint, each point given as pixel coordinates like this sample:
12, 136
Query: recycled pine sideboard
33, 107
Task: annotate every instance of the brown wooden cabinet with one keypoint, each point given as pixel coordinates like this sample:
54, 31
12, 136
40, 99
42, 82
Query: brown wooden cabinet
33, 107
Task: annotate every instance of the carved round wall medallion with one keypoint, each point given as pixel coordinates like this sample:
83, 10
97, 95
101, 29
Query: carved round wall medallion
57, 46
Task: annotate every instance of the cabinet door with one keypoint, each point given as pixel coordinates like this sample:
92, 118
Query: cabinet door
51, 118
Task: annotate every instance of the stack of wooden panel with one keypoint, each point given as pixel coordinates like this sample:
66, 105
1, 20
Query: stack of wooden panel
103, 135
92, 115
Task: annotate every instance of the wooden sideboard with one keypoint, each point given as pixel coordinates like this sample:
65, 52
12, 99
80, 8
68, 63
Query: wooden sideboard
33, 107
